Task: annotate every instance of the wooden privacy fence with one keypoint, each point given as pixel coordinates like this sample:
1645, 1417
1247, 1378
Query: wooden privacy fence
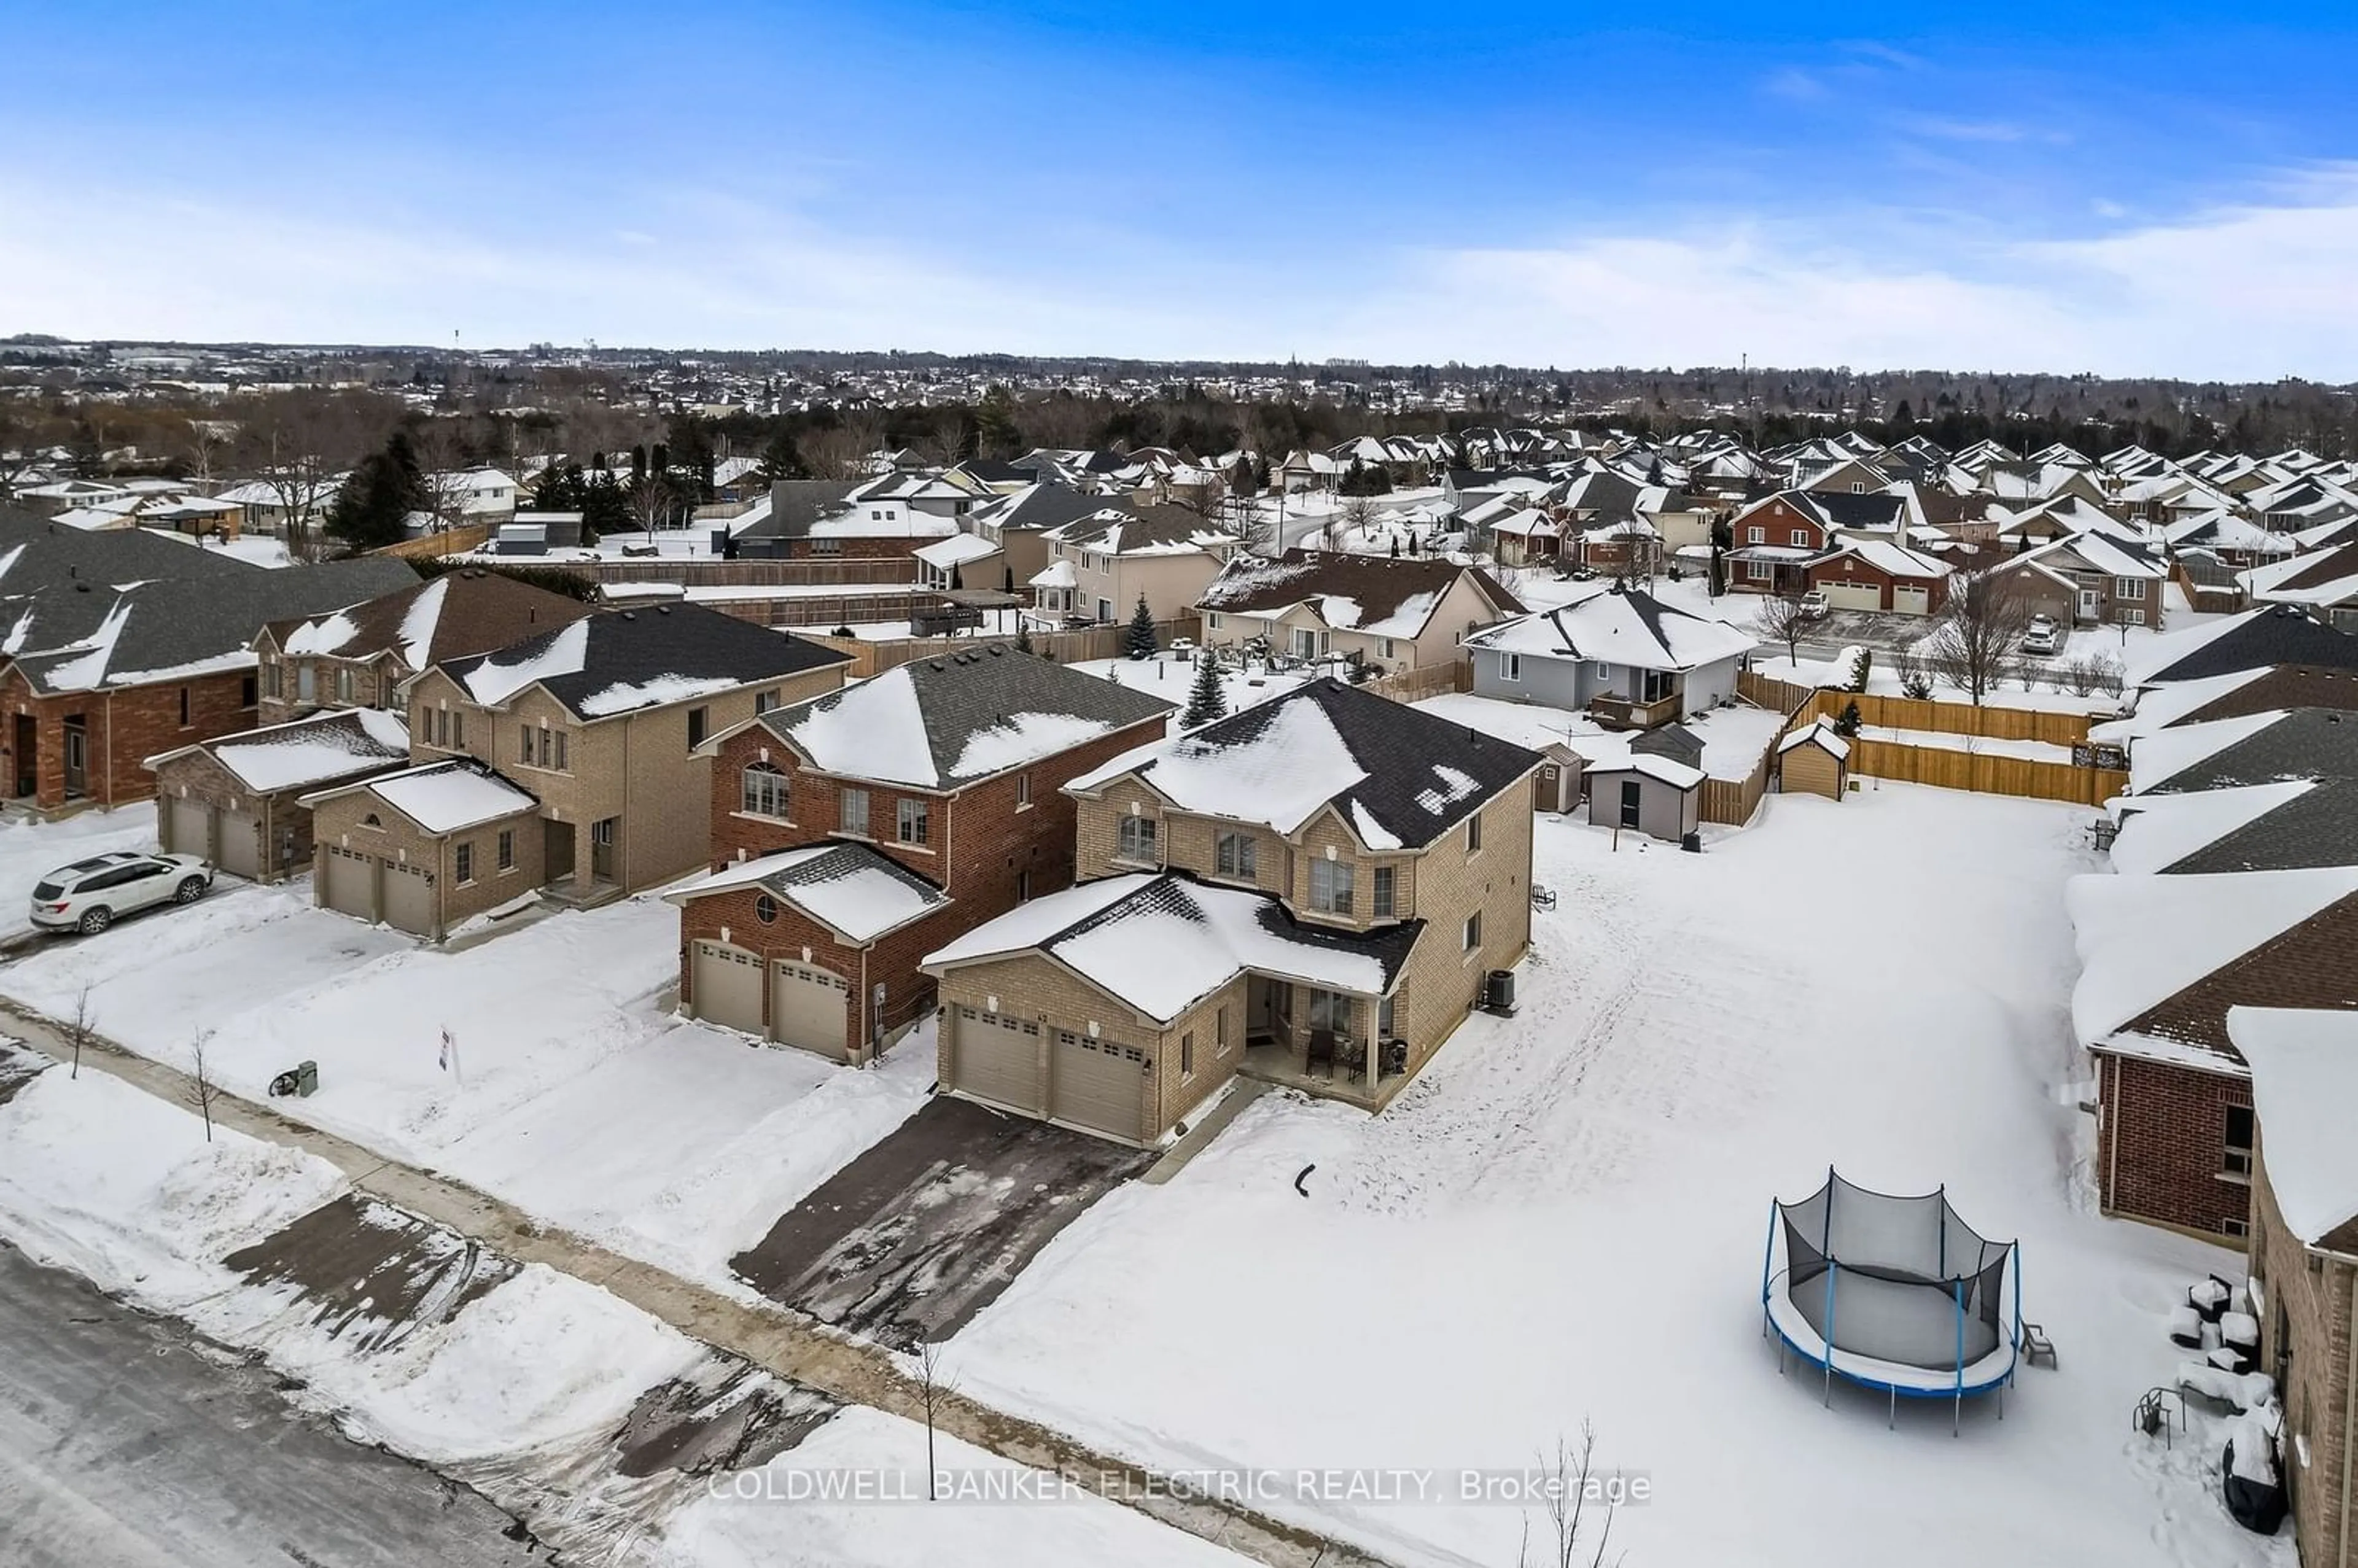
1732, 802
1986, 773
1425, 680
449, 541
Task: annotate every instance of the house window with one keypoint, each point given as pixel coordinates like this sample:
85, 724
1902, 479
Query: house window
465, 859
1331, 886
245, 692
827, 547
914, 826
1212, 621
1384, 1019
1510, 666
524, 744
1801, 538
851, 808
274, 679
1383, 647
765, 908
698, 719
1474, 931
1756, 572
508, 848
1604, 670
1023, 791
2237, 1160
1381, 895
763, 701
184, 707
763, 791
303, 683
343, 683
1474, 833
1756, 534
2132, 617
1220, 1032
1138, 838
557, 735
2129, 588
457, 729
1233, 855
1330, 1011
1186, 1057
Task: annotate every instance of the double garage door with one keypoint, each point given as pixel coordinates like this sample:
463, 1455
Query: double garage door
1098, 1086
231, 839
1842, 595
807, 1003
353, 882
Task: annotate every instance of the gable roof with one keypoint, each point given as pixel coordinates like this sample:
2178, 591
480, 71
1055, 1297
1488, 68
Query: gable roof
1118, 530
442, 797
2316, 824
307, 752
2304, 1067
2258, 747
446, 617
941, 722
1399, 776
1161, 942
853, 890
626, 660
2272, 635
1619, 625
1379, 595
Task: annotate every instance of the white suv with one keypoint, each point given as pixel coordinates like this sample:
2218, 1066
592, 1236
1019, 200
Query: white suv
87, 895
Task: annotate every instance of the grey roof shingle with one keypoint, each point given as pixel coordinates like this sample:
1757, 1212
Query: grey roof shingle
2317, 827
643, 651
2285, 634
2307, 743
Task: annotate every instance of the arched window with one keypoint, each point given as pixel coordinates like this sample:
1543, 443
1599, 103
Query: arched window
764, 792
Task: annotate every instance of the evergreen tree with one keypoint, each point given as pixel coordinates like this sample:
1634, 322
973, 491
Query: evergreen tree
1849, 720
780, 458
604, 510
372, 508
1138, 641
1205, 700
1023, 635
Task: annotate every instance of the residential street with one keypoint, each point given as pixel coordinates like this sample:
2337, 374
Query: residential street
122, 1445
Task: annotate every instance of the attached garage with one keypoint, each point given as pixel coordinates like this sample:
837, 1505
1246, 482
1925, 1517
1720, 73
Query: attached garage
728, 987
1099, 1084
996, 1058
1840, 594
409, 899
808, 1007
238, 845
188, 827
1911, 598
349, 885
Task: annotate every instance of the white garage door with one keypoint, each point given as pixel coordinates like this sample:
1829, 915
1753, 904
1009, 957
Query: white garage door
350, 883
240, 846
996, 1059
190, 823
1907, 600
727, 990
806, 1009
1840, 594
1100, 1086
408, 898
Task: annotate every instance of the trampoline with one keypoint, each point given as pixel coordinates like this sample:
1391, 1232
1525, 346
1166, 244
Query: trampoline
1898, 1295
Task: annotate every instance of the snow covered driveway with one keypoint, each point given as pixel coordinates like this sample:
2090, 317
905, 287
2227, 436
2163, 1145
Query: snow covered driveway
1564, 1220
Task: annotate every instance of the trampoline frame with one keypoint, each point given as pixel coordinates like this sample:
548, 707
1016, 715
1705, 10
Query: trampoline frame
1992, 1373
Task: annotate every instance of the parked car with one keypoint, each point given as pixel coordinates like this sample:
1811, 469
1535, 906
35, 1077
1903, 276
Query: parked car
1814, 604
89, 895
2042, 636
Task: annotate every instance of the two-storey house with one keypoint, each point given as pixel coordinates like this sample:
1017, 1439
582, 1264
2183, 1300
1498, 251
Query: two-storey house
1392, 613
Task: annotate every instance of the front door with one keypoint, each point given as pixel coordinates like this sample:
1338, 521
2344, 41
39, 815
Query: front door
28, 754
602, 849
556, 850
2091, 603
1632, 797
77, 755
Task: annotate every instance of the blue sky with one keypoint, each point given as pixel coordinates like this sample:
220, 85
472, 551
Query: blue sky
2127, 190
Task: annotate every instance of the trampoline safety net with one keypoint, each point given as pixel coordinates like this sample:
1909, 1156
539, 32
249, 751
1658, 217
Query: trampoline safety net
1899, 1279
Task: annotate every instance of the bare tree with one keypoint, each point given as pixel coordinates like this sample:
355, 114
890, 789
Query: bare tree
208, 444
651, 502
296, 442
1573, 1497
2111, 676
1977, 631
944, 444
1783, 619
19, 435
1359, 512
202, 1090
442, 458
81, 1028
933, 1389
2079, 674
1915, 679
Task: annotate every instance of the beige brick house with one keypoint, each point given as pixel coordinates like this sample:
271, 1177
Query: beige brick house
1101, 566
1392, 613
237, 801
596, 729
1312, 890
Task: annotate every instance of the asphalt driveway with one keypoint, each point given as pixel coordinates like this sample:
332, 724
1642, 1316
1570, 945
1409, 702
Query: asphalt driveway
909, 1241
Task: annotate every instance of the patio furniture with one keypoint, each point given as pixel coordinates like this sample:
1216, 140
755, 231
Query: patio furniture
2037, 1346
1394, 1061
1542, 897
1351, 1055
1321, 1049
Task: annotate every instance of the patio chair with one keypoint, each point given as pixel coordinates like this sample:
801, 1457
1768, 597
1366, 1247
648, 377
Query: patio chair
1542, 897
1351, 1055
1322, 1049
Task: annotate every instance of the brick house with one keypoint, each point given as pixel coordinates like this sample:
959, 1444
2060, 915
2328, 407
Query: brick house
237, 801
1312, 890
360, 657
2163, 960
105, 676
2303, 1255
1101, 565
1775, 539
1880, 574
854, 833
561, 763
2091, 579
1392, 613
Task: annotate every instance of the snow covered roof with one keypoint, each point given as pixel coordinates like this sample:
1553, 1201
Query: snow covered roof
956, 551
1619, 625
938, 723
854, 889
2255, 748
1891, 558
446, 617
1820, 733
626, 660
1161, 942
2158, 831
2271, 634
448, 796
1664, 770
1401, 776
308, 752
1055, 574
1378, 595
2304, 1080
2160, 706
1148, 531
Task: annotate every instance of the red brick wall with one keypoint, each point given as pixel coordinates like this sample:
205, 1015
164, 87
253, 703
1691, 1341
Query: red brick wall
1779, 519
892, 962
125, 728
2159, 1147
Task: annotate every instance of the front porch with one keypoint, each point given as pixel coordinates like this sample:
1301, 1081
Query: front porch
1319, 1042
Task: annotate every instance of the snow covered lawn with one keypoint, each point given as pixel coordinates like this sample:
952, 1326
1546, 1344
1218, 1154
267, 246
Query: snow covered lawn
1978, 745
575, 1095
1733, 738
30, 850
1170, 675
1564, 1221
